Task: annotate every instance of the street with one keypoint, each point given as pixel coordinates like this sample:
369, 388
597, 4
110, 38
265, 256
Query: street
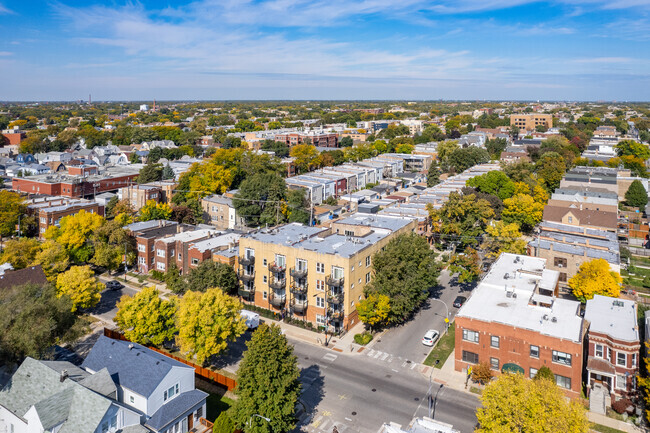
106, 309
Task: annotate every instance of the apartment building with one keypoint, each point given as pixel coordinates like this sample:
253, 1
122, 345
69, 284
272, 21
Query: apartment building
173, 249
599, 179
220, 212
315, 273
613, 347
49, 210
318, 139
212, 249
145, 234
139, 194
515, 322
530, 121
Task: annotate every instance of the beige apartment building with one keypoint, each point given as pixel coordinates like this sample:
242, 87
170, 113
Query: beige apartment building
314, 273
138, 195
528, 122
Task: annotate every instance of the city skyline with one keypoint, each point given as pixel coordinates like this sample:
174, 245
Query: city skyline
336, 50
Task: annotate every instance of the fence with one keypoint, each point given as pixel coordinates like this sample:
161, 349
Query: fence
202, 372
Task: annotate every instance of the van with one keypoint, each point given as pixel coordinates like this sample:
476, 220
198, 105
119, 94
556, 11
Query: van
252, 319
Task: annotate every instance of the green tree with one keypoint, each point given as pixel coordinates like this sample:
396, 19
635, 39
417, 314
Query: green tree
174, 280
595, 278
32, 320
12, 207
267, 383
512, 403
151, 172
223, 423
433, 175
374, 310
346, 142
636, 195
212, 274
465, 265
167, 173
461, 159
495, 147
108, 210
462, 217
260, 198
80, 285
146, 318
206, 322
550, 168
545, 373
404, 271
495, 183
297, 206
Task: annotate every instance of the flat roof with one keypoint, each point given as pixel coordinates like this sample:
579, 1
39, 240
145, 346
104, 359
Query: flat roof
216, 242
188, 236
138, 226
392, 223
287, 234
341, 245
613, 317
506, 293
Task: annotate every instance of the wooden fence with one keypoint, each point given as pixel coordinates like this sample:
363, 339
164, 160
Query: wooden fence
202, 372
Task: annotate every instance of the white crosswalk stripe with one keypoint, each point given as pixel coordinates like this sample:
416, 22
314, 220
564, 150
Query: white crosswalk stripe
330, 357
391, 359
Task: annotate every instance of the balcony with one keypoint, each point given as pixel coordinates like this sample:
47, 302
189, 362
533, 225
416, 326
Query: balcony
247, 261
334, 282
299, 306
335, 298
246, 276
299, 290
276, 269
278, 301
299, 274
246, 291
278, 283
334, 315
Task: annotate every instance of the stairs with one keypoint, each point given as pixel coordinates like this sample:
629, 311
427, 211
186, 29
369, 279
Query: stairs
597, 399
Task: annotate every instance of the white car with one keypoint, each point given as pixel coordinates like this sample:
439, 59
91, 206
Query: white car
430, 337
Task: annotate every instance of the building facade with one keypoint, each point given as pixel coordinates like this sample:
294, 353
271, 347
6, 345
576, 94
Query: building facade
530, 121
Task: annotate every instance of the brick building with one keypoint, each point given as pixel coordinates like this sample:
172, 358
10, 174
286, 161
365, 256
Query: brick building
138, 195
49, 212
318, 139
173, 249
529, 122
74, 186
145, 234
12, 137
515, 321
210, 249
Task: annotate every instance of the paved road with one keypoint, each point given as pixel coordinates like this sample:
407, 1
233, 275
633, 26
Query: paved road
406, 340
358, 394
106, 309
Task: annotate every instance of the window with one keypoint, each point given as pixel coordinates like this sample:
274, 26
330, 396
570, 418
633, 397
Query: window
43, 220
141, 260
352, 269
494, 342
160, 266
114, 422
564, 382
160, 253
561, 358
180, 257
570, 219
104, 426
199, 412
533, 372
494, 363
320, 268
195, 261
142, 248
599, 350
263, 262
367, 261
265, 295
280, 261
320, 285
368, 277
337, 273
470, 357
560, 262
301, 264
562, 277
470, 335
131, 399
320, 302
633, 360
320, 319
264, 278
621, 359
621, 381
534, 351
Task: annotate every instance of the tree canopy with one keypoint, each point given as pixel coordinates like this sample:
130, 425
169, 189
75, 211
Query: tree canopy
374, 310
595, 278
636, 195
212, 274
12, 206
495, 183
462, 218
259, 199
155, 211
146, 318
80, 285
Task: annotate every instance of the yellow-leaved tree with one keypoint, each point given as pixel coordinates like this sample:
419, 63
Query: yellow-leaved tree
306, 157
80, 285
523, 210
146, 318
20, 252
53, 258
512, 403
374, 310
74, 234
503, 238
595, 278
207, 321
155, 211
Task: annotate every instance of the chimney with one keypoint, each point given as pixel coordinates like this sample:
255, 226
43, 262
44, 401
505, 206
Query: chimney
64, 375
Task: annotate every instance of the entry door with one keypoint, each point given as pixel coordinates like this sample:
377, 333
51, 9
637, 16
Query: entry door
190, 421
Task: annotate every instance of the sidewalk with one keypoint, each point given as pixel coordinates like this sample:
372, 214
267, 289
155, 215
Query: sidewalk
613, 423
133, 283
447, 375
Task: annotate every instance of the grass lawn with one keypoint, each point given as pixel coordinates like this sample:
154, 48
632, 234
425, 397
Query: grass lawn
215, 404
443, 349
605, 429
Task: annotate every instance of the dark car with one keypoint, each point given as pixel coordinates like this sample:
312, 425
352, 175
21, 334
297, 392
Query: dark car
486, 267
459, 301
114, 285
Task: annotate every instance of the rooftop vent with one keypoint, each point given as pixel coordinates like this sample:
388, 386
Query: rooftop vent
545, 317
131, 346
506, 276
554, 320
64, 375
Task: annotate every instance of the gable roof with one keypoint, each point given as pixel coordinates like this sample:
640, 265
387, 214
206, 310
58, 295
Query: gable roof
175, 408
30, 275
587, 217
130, 365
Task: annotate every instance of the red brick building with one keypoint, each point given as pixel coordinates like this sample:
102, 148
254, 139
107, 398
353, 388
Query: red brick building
209, 249
72, 186
317, 139
49, 212
12, 137
145, 234
514, 322
173, 249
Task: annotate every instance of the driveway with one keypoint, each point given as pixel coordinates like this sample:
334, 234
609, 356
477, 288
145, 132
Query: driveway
406, 340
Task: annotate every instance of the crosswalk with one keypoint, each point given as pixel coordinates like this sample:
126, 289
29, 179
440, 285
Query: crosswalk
391, 359
325, 423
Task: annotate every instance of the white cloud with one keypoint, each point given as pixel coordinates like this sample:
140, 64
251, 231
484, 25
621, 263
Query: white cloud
6, 53
4, 10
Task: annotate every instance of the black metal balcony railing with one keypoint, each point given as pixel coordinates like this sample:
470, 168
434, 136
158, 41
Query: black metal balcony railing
246, 276
299, 306
275, 268
335, 298
247, 261
278, 301
278, 283
334, 282
299, 274
299, 289
334, 315
246, 291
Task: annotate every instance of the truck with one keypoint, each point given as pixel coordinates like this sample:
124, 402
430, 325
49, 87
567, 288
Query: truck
252, 319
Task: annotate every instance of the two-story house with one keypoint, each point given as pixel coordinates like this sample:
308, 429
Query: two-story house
157, 387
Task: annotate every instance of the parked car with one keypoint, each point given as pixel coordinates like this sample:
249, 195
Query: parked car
114, 285
459, 301
485, 267
430, 337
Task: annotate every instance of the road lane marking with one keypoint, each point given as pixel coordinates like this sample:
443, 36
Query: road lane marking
343, 397
330, 357
377, 355
384, 356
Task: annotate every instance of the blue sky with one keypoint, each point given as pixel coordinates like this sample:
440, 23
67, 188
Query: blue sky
325, 49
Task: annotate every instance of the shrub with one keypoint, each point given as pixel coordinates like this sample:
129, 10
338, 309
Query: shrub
157, 275
620, 406
223, 424
363, 339
482, 373
545, 373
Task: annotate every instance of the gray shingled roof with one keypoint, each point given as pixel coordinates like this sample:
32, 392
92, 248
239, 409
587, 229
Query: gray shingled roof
175, 408
138, 369
102, 383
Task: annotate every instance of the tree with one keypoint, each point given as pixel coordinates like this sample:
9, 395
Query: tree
75, 232
445, 149
482, 373
503, 238
155, 211
495, 183
12, 207
374, 310
595, 278
146, 318
174, 280
550, 168
523, 210
53, 258
20, 252
80, 285
297, 208
259, 199
32, 320
433, 175
632, 148
466, 265
495, 147
167, 173
544, 373
108, 210
462, 217
267, 383
512, 403
306, 157
206, 322
404, 271
152, 172
212, 274
346, 142
636, 195
461, 159
223, 423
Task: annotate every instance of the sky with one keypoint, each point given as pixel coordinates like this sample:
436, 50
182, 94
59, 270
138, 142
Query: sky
325, 49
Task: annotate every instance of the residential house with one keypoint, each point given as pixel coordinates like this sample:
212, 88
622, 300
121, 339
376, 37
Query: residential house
29, 275
139, 194
210, 249
145, 234
173, 249
221, 213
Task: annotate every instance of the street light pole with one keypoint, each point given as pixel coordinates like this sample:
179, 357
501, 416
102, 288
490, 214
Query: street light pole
250, 420
447, 316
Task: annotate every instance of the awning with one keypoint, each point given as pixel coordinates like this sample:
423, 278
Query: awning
512, 368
